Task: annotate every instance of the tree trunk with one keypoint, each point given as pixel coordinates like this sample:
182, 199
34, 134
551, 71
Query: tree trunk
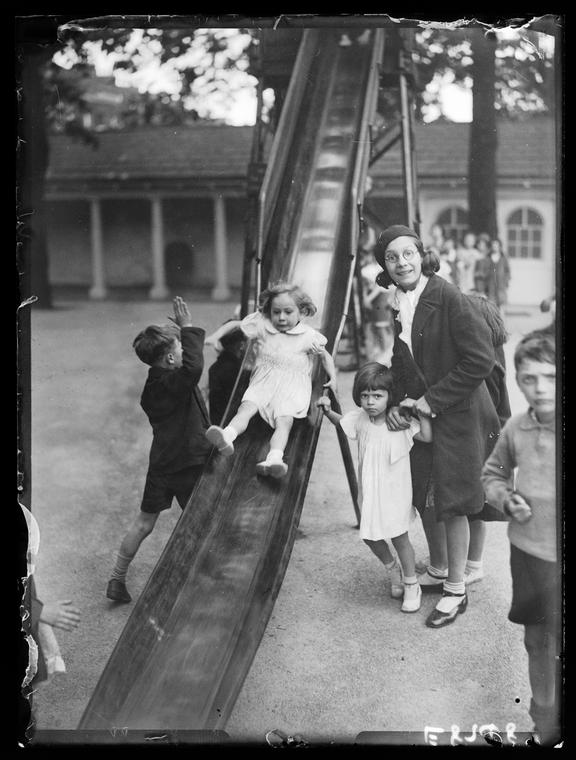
482, 177
33, 162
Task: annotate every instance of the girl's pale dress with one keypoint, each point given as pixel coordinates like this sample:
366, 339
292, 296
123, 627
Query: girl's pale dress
384, 481
280, 383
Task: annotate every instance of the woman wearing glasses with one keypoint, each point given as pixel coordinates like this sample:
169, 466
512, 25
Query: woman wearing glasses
442, 354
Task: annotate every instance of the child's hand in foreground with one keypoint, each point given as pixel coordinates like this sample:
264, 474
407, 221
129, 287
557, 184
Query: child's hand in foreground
181, 313
61, 614
518, 509
325, 403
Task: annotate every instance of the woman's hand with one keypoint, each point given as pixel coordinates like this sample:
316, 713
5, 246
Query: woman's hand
395, 420
420, 407
325, 403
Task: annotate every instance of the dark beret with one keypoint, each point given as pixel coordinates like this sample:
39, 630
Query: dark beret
393, 232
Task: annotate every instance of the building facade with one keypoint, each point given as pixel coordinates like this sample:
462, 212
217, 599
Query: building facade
164, 208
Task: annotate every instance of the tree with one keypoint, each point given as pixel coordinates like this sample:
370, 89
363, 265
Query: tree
510, 76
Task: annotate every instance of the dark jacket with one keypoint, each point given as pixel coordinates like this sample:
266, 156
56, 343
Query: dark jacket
453, 355
495, 278
176, 409
221, 379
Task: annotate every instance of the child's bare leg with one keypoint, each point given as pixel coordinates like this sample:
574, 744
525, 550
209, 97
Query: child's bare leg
240, 421
474, 570
142, 526
541, 649
281, 434
224, 439
406, 556
274, 464
543, 671
381, 550
436, 539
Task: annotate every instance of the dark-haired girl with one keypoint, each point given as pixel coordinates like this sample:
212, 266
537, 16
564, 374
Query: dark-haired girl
385, 485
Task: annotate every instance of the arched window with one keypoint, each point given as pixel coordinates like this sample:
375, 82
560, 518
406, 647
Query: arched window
524, 229
454, 220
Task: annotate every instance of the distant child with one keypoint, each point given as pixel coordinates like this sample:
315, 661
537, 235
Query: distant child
527, 445
179, 419
280, 385
385, 484
223, 373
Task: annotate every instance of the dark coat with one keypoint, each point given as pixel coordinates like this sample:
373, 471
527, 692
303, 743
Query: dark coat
453, 355
176, 409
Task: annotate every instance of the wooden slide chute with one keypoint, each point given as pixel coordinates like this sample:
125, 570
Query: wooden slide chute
186, 649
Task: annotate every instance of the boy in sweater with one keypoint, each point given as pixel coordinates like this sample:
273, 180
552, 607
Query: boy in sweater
519, 478
179, 419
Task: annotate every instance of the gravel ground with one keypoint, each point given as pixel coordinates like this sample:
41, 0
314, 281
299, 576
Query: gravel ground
338, 657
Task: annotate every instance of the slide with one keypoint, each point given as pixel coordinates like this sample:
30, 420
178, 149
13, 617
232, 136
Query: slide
186, 649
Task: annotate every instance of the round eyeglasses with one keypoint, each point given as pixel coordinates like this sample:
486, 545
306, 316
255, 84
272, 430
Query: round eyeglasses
407, 255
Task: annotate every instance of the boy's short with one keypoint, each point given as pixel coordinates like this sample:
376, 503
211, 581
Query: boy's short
535, 590
160, 489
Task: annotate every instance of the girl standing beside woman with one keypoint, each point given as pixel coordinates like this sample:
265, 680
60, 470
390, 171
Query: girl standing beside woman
384, 482
442, 354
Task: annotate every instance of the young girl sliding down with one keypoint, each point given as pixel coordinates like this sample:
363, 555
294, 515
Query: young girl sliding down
280, 385
385, 486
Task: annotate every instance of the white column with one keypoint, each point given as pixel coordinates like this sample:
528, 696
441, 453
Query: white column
159, 291
98, 289
221, 291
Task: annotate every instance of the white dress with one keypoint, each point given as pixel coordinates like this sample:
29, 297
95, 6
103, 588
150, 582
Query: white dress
384, 481
280, 383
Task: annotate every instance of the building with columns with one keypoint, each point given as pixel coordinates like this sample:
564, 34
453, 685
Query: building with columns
162, 209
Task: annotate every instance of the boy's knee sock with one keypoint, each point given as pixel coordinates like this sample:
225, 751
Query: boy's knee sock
121, 567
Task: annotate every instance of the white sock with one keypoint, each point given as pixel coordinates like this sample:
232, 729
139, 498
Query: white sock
409, 580
230, 433
275, 455
436, 572
455, 588
471, 565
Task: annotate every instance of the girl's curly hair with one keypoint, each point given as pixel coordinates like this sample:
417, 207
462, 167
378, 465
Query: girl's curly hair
300, 298
430, 262
373, 376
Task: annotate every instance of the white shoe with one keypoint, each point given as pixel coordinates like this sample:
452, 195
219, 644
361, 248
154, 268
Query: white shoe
274, 469
473, 576
412, 597
217, 438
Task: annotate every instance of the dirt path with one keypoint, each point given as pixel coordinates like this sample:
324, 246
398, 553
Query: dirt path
337, 657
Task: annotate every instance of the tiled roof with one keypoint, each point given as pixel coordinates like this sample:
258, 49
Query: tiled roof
207, 150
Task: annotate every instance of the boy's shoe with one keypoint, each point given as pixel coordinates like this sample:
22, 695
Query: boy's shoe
473, 576
117, 591
432, 583
412, 597
437, 618
217, 438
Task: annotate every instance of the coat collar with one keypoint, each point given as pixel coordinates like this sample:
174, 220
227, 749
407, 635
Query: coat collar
429, 301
